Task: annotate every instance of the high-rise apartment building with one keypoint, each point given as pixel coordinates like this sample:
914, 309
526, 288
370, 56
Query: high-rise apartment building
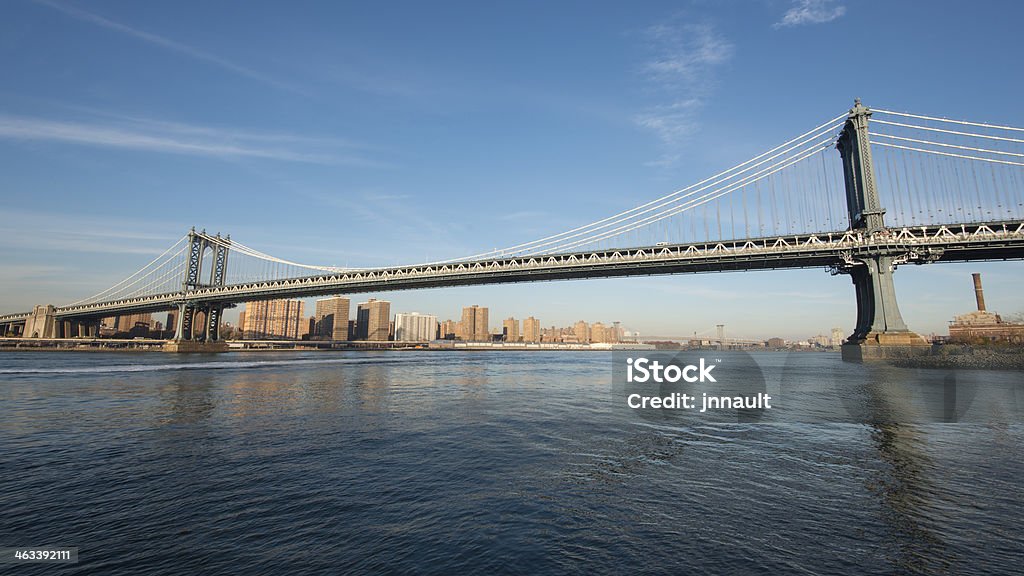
511, 326
605, 334
415, 327
126, 322
331, 319
531, 330
474, 326
373, 320
270, 319
449, 329
582, 332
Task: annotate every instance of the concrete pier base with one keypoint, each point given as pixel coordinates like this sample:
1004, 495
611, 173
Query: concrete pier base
882, 346
189, 346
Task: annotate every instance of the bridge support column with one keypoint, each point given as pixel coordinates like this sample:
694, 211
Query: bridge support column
880, 333
213, 318
179, 321
42, 322
191, 335
190, 338
188, 315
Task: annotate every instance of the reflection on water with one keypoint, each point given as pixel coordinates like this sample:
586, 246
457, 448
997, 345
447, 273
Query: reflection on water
345, 462
907, 493
186, 399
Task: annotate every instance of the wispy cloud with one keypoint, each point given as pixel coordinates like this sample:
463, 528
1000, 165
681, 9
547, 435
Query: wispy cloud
61, 232
683, 64
685, 53
811, 12
14, 273
166, 43
177, 138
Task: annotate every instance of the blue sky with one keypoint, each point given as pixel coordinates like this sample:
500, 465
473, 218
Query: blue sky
360, 134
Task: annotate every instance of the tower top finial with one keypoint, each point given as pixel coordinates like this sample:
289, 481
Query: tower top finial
856, 101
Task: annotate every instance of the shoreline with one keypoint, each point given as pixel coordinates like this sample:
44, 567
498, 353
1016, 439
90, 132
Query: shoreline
146, 345
965, 357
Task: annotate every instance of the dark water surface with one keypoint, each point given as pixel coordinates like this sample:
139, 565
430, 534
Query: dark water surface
504, 462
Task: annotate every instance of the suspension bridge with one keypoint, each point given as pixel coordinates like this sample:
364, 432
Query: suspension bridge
912, 189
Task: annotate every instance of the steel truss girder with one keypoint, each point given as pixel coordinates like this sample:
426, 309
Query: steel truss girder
982, 241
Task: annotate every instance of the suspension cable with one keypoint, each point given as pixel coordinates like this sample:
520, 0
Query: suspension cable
985, 150
951, 154
659, 202
955, 132
962, 122
141, 270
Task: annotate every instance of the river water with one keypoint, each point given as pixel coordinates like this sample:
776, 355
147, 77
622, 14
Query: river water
499, 462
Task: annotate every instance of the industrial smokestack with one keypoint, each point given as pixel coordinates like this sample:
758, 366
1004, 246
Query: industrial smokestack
979, 294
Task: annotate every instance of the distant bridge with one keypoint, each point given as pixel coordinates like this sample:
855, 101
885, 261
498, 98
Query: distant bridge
953, 189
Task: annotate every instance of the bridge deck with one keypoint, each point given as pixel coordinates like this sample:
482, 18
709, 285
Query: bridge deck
937, 243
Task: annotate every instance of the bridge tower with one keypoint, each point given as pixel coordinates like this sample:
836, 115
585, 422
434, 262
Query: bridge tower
188, 336
880, 332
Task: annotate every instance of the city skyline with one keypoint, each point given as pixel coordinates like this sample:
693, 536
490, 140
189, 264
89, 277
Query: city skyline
531, 329
330, 322
462, 152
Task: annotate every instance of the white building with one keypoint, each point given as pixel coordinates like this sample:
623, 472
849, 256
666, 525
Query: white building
415, 327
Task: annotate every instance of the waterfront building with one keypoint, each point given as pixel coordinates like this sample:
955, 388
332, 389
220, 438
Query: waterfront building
582, 332
449, 330
126, 322
474, 326
531, 330
415, 327
273, 319
982, 325
552, 334
511, 329
821, 341
373, 320
331, 319
604, 334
